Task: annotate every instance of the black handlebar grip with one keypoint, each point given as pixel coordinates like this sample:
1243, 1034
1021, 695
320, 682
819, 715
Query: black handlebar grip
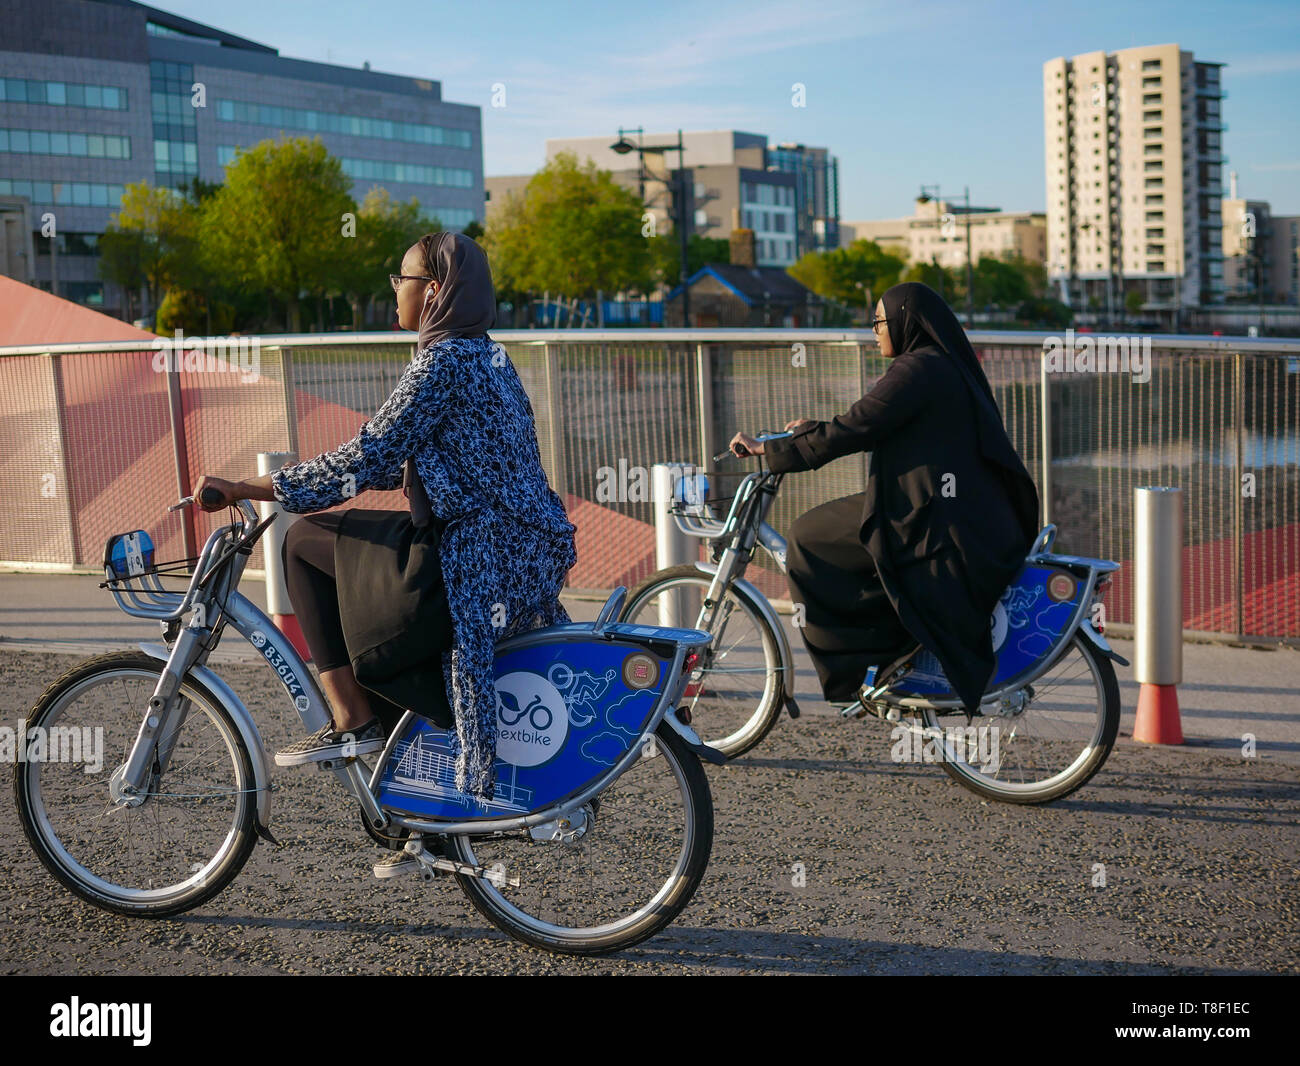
210, 497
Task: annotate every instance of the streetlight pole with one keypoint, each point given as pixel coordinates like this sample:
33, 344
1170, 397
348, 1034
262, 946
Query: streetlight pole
679, 190
682, 222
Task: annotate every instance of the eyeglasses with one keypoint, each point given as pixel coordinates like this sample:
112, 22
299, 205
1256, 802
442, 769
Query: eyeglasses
876, 322
396, 279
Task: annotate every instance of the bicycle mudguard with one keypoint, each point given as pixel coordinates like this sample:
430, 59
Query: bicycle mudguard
572, 704
1032, 622
1099, 642
247, 730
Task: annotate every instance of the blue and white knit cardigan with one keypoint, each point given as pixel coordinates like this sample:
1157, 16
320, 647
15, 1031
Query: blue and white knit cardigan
462, 413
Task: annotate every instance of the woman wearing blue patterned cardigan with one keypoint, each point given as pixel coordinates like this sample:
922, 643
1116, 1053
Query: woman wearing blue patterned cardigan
459, 423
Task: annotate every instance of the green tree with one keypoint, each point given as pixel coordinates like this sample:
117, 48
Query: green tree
1042, 312
385, 229
278, 223
122, 256
666, 255
939, 278
149, 241
856, 275
999, 283
571, 233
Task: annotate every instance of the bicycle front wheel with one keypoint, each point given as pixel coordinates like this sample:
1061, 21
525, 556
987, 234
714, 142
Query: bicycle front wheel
624, 866
736, 691
1049, 748
160, 852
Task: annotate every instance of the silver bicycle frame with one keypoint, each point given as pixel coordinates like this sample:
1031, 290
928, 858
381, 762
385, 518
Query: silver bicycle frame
724, 576
222, 603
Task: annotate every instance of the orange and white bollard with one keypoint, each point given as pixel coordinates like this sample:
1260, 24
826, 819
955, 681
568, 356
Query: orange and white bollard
277, 592
1158, 613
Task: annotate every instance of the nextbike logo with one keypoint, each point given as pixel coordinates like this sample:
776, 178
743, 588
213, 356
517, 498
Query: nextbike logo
532, 719
103, 1019
287, 677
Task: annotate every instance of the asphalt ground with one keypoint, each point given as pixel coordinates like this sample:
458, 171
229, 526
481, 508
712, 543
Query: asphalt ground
828, 857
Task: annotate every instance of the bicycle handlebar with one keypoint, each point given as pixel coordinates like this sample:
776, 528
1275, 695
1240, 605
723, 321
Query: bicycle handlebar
761, 437
212, 498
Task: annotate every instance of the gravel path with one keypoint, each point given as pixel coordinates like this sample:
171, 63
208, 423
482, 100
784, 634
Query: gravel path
902, 870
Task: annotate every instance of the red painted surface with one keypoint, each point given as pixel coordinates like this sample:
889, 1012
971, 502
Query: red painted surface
1270, 583
33, 316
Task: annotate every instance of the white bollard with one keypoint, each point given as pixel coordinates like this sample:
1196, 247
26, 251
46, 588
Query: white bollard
277, 592
672, 546
1158, 613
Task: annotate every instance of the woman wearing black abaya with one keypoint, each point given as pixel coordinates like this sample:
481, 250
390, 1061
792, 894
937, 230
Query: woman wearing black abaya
947, 519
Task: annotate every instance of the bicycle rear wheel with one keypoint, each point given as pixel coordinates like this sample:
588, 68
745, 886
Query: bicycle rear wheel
736, 691
641, 851
159, 853
1051, 747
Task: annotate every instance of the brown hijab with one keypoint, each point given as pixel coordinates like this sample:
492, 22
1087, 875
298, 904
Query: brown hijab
465, 306
466, 303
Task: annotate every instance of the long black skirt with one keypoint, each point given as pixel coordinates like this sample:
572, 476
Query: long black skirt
849, 623
367, 589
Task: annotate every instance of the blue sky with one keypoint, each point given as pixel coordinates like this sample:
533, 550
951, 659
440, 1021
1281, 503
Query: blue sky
902, 93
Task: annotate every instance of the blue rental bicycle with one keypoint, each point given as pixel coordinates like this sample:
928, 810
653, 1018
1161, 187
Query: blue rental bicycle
597, 835
1048, 718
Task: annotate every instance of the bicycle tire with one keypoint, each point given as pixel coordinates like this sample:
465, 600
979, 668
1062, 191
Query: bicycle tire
1078, 775
55, 857
492, 904
768, 709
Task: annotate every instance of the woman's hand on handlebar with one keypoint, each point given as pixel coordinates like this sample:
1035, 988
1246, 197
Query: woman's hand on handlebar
743, 445
795, 423
230, 491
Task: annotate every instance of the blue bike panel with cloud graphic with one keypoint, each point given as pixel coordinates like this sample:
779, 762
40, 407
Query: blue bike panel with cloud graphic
566, 712
1026, 622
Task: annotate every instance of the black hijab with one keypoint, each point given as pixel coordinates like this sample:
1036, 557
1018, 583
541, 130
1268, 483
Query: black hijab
464, 306
917, 318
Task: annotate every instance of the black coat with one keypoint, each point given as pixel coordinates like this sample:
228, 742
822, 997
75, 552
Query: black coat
947, 526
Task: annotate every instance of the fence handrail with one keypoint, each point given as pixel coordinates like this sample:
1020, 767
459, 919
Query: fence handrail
721, 335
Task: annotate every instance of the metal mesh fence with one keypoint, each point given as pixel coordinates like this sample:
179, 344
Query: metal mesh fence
89, 449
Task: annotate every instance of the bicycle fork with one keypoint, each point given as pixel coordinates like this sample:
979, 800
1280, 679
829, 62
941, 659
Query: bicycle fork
165, 714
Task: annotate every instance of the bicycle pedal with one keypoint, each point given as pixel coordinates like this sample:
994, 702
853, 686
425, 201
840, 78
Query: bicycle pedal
335, 764
872, 709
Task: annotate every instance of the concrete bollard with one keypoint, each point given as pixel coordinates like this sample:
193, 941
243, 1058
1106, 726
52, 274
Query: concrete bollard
672, 546
1158, 613
277, 592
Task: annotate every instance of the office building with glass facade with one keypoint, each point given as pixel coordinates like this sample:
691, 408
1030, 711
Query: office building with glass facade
789, 196
98, 94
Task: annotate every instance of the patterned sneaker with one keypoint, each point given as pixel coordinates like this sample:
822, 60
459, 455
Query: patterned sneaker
397, 863
326, 743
